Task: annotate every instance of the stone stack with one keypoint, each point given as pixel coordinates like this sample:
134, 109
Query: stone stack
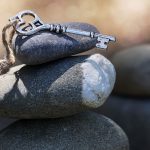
130, 105
53, 92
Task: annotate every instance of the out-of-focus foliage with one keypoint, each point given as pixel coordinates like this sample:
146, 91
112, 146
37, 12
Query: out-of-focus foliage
127, 20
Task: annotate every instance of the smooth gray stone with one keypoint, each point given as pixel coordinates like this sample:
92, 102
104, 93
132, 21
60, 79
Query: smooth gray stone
48, 46
56, 89
133, 71
4, 122
133, 116
85, 131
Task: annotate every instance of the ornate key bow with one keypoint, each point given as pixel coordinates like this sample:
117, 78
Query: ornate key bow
37, 25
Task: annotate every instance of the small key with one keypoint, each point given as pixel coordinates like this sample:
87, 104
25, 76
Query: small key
37, 25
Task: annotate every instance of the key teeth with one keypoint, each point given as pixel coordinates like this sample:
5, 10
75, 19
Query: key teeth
113, 39
103, 40
102, 46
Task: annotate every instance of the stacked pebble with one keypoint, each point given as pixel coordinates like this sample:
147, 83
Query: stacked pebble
52, 94
129, 107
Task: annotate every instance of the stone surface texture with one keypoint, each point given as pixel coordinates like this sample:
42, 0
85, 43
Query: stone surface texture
47, 46
56, 89
85, 131
4, 122
132, 115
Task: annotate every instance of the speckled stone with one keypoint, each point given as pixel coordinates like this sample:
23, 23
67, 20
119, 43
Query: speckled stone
133, 71
47, 46
85, 131
132, 115
56, 89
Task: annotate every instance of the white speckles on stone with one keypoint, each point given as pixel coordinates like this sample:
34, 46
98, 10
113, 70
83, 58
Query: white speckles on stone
98, 80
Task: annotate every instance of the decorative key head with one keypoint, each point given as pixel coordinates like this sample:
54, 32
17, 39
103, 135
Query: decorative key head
33, 26
103, 41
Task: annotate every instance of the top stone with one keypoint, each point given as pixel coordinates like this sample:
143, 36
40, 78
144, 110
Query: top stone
47, 46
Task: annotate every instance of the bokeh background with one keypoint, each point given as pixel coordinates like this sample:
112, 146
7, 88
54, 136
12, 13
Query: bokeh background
129, 22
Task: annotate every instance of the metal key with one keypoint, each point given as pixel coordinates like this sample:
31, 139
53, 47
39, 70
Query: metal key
37, 25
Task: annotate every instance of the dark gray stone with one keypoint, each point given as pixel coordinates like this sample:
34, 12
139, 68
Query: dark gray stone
4, 122
85, 131
133, 71
46, 46
57, 89
133, 116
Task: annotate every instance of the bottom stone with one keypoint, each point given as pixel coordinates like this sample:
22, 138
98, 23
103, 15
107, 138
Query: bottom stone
85, 131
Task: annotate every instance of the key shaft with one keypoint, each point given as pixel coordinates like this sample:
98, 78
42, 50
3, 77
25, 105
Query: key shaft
37, 25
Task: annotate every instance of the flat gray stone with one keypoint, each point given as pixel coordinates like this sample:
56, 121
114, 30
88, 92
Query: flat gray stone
133, 116
85, 131
47, 46
133, 71
56, 89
